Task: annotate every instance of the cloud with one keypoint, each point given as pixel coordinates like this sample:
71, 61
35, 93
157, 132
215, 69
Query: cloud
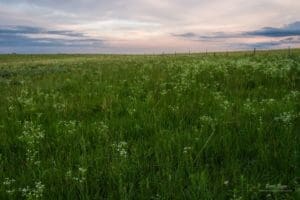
287, 30
292, 29
145, 24
266, 37
282, 43
27, 36
186, 35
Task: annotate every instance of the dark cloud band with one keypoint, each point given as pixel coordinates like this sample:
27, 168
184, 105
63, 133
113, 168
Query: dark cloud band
38, 37
288, 30
290, 34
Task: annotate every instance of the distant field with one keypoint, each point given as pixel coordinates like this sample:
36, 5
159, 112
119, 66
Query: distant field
199, 126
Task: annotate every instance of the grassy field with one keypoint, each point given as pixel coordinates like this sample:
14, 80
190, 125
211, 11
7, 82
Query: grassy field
223, 126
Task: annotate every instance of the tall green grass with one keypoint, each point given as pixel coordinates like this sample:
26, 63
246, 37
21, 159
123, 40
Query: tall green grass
217, 126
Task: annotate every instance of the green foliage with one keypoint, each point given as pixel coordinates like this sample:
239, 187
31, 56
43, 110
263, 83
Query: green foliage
150, 127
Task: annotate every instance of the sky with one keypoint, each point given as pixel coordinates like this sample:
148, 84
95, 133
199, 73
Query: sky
147, 26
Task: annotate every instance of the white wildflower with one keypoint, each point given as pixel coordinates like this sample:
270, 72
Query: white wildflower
31, 136
8, 181
286, 118
121, 148
33, 193
226, 182
186, 149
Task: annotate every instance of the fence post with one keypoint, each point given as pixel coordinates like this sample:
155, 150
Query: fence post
254, 51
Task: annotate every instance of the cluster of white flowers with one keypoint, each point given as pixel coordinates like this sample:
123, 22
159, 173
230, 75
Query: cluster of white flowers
287, 118
268, 102
131, 111
248, 107
56, 100
163, 90
11, 107
78, 176
185, 79
101, 127
26, 101
293, 95
33, 193
275, 71
275, 189
59, 106
69, 127
9, 185
121, 148
207, 120
31, 136
174, 108
187, 149
223, 102
156, 197
30, 193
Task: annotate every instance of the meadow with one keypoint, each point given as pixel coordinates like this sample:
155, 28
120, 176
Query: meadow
198, 126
